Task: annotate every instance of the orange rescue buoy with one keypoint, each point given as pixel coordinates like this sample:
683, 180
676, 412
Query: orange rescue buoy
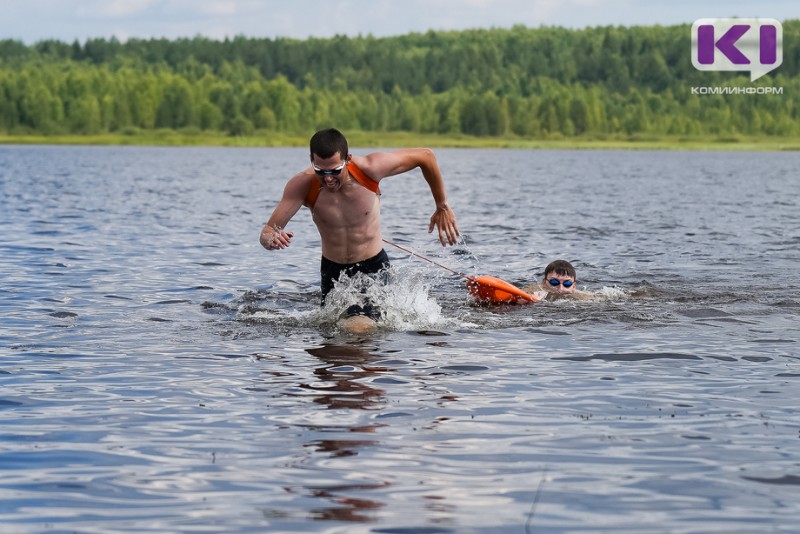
497, 291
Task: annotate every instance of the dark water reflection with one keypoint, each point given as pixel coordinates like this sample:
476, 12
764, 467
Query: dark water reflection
341, 380
160, 372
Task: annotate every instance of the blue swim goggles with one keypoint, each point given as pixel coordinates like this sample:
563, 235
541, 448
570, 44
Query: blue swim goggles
330, 172
555, 283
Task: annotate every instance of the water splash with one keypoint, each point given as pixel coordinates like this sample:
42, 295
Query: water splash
405, 303
611, 293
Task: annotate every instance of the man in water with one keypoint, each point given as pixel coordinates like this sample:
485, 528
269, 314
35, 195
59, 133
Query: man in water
343, 194
559, 282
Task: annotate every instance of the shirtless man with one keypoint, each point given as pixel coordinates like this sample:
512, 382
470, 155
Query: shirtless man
343, 194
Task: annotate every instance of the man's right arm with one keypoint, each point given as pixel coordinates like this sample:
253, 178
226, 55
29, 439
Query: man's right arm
273, 236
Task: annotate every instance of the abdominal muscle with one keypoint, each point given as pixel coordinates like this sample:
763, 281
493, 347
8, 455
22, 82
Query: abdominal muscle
349, 223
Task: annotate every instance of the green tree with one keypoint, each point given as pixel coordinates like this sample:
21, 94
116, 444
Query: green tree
177, 108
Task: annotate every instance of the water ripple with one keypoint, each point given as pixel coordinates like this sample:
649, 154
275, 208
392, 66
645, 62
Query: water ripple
161, 372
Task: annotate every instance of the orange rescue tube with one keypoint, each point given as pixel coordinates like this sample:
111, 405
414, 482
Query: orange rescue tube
497, 291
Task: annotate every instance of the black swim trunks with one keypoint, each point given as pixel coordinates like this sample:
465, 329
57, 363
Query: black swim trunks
330, 271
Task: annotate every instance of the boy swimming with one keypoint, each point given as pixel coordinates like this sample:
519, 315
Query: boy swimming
560, 282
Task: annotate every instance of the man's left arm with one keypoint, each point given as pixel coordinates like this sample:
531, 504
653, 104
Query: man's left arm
382, 164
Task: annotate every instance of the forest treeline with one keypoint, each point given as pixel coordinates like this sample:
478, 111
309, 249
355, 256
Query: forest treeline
540, 82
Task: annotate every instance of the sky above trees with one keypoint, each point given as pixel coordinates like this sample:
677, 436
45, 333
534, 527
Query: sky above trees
66, 20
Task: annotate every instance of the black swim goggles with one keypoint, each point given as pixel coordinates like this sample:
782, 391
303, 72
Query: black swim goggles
330, 172
555, 283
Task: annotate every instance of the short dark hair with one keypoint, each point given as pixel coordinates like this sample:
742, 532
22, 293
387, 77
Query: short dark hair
326, 143
561, 267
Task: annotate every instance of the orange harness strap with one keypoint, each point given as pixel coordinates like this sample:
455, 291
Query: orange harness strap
355, 172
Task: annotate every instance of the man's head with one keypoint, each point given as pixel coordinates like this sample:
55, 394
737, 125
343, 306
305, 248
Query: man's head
559, 276
327, 143
329, 155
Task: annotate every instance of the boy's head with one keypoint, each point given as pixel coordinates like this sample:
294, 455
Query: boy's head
559, 276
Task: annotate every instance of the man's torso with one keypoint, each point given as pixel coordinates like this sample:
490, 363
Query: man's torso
349, 222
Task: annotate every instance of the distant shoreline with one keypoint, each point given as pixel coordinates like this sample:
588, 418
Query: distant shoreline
408, 139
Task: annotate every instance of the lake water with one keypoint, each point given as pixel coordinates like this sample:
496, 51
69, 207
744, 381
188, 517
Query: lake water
161, 372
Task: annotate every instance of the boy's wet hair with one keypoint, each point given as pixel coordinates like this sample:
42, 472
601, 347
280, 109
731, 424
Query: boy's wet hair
561, 267
326, 143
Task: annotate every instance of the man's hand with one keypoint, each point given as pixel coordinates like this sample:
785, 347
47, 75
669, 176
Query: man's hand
274, 238
445, 221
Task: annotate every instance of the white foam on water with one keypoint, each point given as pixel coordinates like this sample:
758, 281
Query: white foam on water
288, 319
405, 303
611, 293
